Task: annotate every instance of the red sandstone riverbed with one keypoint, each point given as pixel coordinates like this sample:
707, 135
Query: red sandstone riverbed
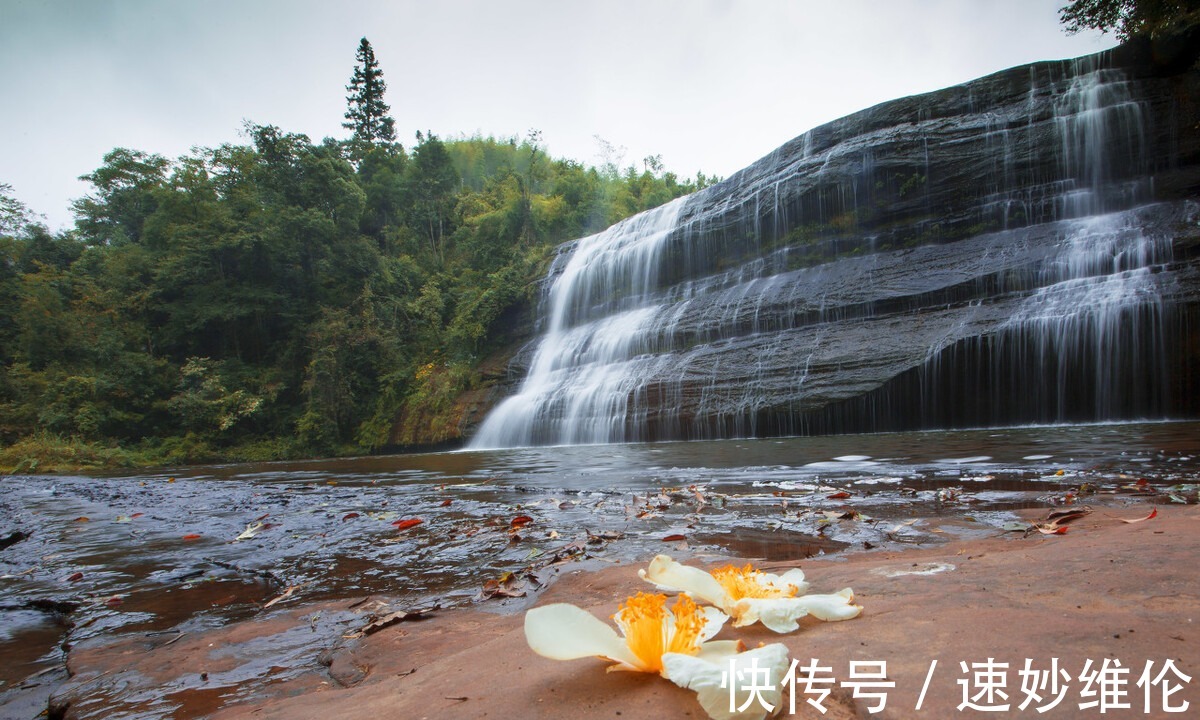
1106, 591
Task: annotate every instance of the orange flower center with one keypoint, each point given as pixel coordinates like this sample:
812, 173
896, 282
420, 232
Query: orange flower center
648, 633
745, 582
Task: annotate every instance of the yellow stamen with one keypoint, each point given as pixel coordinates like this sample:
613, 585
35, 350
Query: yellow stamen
745, 583
689, 622
648, 634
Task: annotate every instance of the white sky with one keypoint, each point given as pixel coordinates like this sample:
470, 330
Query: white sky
710, 85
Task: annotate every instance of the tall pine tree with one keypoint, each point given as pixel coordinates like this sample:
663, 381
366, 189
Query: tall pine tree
366, 112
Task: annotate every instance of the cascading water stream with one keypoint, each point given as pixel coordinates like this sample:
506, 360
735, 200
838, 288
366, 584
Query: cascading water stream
937, 261
585, 367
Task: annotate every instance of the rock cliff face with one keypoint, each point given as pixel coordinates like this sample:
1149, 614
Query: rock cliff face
1021, 248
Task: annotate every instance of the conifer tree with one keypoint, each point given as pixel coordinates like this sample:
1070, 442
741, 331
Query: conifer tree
366, 112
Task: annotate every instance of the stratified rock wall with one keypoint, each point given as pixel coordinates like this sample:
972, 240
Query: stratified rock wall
1021, 248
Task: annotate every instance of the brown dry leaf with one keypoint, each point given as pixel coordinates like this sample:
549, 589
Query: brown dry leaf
1062, 517
397, 617
674, 538
507, 586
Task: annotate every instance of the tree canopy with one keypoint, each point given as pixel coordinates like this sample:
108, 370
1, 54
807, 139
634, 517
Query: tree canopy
271, 299
1130, 18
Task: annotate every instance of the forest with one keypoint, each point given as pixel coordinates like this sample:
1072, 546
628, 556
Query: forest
280, 297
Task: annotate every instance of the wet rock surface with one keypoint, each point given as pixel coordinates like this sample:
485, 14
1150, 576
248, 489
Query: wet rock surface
1020, 248
300, 566
1107, 594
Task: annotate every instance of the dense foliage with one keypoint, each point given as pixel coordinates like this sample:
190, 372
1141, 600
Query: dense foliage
281, 297
1131, 18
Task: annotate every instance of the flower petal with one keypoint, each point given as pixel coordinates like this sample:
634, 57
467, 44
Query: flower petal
778, 614
838, 606
795, 577
672, 576
718, 652
782, 614
757, 672
714, 621
566, 632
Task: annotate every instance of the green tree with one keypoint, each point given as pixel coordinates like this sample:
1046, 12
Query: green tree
432, 184
14, 216
1130, 18
126, 193
367, 113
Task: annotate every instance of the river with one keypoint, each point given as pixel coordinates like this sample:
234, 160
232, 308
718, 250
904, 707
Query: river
197, 547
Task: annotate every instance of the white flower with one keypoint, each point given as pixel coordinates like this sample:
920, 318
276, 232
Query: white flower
749, 596
673, 643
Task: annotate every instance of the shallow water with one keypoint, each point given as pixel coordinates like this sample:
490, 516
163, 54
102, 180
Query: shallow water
154, 552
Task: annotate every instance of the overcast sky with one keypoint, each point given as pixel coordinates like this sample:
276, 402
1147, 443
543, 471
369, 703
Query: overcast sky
711, 85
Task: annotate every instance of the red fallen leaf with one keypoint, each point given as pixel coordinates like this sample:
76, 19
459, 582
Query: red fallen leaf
674, 538
1153, 514
75, 577
1142, 482
82, 518
192, 536
262, 517
114, 601
838, 495
520, 520
406, 524
446, 502
1052, 529
136, 515
348, 516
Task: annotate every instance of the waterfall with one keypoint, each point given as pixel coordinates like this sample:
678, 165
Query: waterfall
987, 254
588, 362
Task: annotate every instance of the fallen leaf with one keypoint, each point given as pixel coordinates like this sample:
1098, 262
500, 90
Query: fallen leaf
446, 502
81, 518
251, 530
674, 538
284, 596
406, 524
1153, 514
122, 519
349, 516
192, 536
838, 495
604, 536
520, 520
1015, 527
136, 515
1067, 515
397, 617
75, 577
1050, 528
